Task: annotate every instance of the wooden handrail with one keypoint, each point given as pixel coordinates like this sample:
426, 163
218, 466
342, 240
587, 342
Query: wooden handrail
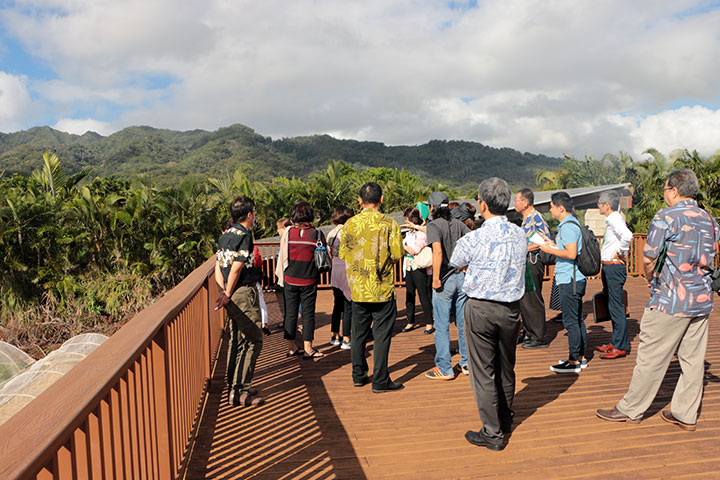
129, 408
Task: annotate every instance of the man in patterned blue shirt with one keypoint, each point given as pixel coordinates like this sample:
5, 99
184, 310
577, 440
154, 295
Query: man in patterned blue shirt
675, 320
494, 256
532, 304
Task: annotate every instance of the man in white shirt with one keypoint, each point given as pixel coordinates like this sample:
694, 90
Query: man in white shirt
613, 256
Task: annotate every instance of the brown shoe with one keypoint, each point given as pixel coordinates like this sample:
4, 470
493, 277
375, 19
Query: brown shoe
436, 374
614, 415
668, 417
604, 348
248, 400
614, 353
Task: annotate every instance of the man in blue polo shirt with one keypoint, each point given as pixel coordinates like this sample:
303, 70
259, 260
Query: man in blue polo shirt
570, 281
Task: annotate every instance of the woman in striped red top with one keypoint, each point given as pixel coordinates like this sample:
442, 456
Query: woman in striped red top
301, 277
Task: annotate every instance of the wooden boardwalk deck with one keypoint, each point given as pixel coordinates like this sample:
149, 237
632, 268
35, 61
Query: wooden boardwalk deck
316, 425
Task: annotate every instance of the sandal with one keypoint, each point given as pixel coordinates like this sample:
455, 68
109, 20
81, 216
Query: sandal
314, 354
293, 353
409, 327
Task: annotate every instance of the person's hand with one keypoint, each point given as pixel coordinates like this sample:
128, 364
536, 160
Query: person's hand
221, 301
533, 247
437, 284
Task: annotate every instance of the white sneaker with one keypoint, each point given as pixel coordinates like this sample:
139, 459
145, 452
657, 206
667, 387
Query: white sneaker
335, 341
583, 363
345, 345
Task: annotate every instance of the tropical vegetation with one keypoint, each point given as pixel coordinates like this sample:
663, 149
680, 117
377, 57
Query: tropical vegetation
79, 253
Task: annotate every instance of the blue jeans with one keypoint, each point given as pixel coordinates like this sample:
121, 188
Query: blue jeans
572, 318
442, 300
613, 279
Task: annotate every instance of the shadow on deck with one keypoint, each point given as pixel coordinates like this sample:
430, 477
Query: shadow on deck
316, 425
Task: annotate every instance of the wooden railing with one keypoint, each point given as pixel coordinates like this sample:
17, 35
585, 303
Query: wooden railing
130, 409
269, 251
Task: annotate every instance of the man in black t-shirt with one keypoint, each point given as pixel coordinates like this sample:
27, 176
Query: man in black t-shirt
442, 234
237, 275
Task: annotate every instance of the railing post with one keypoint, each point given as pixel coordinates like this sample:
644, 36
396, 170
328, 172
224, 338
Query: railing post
166, 462
207, 330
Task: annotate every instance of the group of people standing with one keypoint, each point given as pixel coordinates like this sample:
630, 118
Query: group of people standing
490, 279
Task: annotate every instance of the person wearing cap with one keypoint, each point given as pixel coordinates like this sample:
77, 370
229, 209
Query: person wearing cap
464, 212
443, 233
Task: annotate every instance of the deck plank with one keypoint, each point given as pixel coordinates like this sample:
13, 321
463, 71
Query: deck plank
316, 425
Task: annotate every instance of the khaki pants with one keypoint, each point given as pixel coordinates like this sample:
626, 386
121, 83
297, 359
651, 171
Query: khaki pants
660, 336
246, 336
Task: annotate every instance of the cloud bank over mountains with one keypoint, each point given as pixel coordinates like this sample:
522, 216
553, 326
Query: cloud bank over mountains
556, 77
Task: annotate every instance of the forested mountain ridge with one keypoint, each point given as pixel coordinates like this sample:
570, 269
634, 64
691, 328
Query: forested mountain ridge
167, 156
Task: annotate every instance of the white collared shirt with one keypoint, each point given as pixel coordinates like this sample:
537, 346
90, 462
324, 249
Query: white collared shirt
617, 239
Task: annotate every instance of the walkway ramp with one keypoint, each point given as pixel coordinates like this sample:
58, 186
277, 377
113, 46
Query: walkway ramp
316, 425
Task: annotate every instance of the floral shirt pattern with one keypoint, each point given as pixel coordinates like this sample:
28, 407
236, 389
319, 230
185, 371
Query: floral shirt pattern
371, 241
236, 245
682, 287
535, 223
495, 256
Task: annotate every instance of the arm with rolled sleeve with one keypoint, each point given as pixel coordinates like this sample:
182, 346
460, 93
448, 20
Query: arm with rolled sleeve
626, 236
461, 255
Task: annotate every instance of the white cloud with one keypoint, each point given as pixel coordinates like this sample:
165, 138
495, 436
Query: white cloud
14, 102
692, 128
81, 126
550, 77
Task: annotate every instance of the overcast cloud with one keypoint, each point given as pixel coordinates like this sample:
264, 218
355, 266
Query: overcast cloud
553, 77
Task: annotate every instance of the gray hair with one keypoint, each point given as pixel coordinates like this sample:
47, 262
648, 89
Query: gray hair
496, 194
685, 181
612, 198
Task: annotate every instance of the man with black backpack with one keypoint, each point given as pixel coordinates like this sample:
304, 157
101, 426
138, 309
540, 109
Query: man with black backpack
571, 267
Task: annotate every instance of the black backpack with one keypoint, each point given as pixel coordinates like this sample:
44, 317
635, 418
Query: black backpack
588, 262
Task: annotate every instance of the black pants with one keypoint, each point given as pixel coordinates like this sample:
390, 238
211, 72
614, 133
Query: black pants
382, 318
491, 330
418, 281
294, 296
532, 304
342, 307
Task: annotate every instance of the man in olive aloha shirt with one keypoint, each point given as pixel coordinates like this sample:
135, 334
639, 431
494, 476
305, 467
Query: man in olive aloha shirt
370, 243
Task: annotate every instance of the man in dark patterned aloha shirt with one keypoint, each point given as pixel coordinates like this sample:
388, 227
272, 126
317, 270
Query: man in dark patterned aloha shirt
681, 244
236, 274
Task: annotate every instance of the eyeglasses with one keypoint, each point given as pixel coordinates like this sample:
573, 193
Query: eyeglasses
668, 188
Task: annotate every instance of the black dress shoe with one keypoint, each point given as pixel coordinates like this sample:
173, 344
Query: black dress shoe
362, 382
429, 332
391, 387
535, 344
477, 438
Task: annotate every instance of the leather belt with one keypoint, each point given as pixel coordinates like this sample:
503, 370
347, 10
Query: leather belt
613, 262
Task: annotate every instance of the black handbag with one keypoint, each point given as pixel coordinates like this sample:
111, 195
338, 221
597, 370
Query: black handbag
323, 262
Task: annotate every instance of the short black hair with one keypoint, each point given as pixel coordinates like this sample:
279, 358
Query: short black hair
563, 199
303, 212
371, 193
413, 214
240, 208
340, 215
685, 181
495, 192
528, 195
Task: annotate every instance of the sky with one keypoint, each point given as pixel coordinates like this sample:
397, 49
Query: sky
556, 77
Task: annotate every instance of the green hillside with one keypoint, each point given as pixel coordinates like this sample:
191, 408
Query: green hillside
168, 156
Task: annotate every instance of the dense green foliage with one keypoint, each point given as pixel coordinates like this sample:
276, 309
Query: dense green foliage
647, 179
92, 253
168, 157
